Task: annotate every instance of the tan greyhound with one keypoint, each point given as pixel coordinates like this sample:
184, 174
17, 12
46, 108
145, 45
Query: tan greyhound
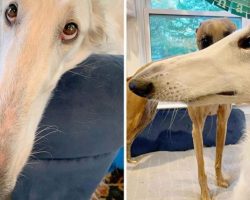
209, 32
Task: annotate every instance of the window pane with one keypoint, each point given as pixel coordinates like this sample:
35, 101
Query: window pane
200, 5
175, 35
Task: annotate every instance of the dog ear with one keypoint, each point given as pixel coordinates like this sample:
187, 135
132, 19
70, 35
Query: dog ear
106, 31
97, 33
196, 30
233, 27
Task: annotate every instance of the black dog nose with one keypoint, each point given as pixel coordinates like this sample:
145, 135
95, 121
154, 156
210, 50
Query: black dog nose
141, 88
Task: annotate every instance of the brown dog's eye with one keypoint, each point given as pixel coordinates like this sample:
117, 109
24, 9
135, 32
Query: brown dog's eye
206, 41
227, 33
70, 32
244, 43
11, 13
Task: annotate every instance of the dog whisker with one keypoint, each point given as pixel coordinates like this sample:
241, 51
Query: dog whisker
46, 135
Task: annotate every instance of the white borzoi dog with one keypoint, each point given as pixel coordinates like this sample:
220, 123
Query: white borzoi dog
218, 74
40, 40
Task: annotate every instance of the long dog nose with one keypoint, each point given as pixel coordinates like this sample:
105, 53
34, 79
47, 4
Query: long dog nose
141, 88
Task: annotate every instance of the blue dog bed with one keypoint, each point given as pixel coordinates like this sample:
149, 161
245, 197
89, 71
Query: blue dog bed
166, 134
86, 116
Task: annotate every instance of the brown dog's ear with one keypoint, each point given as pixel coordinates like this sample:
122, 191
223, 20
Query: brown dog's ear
233, 27
97, 33
196, 30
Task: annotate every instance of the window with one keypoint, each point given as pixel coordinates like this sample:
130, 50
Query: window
170, 25
172, 35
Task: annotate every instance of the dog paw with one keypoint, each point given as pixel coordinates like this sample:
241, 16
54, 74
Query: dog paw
206, 197
205, 194
132, 160
222, 183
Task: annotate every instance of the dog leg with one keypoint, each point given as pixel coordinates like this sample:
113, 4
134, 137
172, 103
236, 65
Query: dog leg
198, 118
129, 144
222, 118
133, 130
140, 112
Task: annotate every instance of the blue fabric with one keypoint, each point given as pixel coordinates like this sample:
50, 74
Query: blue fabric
118, 162
87, 113
171, 130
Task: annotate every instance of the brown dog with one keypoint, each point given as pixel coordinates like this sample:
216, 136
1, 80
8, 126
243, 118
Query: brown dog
140, 111
208, 33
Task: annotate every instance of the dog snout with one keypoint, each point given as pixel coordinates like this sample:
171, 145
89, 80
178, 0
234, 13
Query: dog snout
141, 88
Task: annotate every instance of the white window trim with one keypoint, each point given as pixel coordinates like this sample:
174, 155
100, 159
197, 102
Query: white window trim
140, 5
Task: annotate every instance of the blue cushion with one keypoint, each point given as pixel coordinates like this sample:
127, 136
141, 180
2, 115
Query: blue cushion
171, 130
87, 112
73, 179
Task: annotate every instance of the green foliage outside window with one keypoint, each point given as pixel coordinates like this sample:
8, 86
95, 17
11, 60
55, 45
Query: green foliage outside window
200, 5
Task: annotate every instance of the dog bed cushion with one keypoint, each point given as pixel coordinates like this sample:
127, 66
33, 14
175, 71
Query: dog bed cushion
171, 130
174, 176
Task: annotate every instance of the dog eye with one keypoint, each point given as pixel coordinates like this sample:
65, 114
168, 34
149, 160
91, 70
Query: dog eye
244, 43
70, 32
11, 13
206, 42
225, 34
